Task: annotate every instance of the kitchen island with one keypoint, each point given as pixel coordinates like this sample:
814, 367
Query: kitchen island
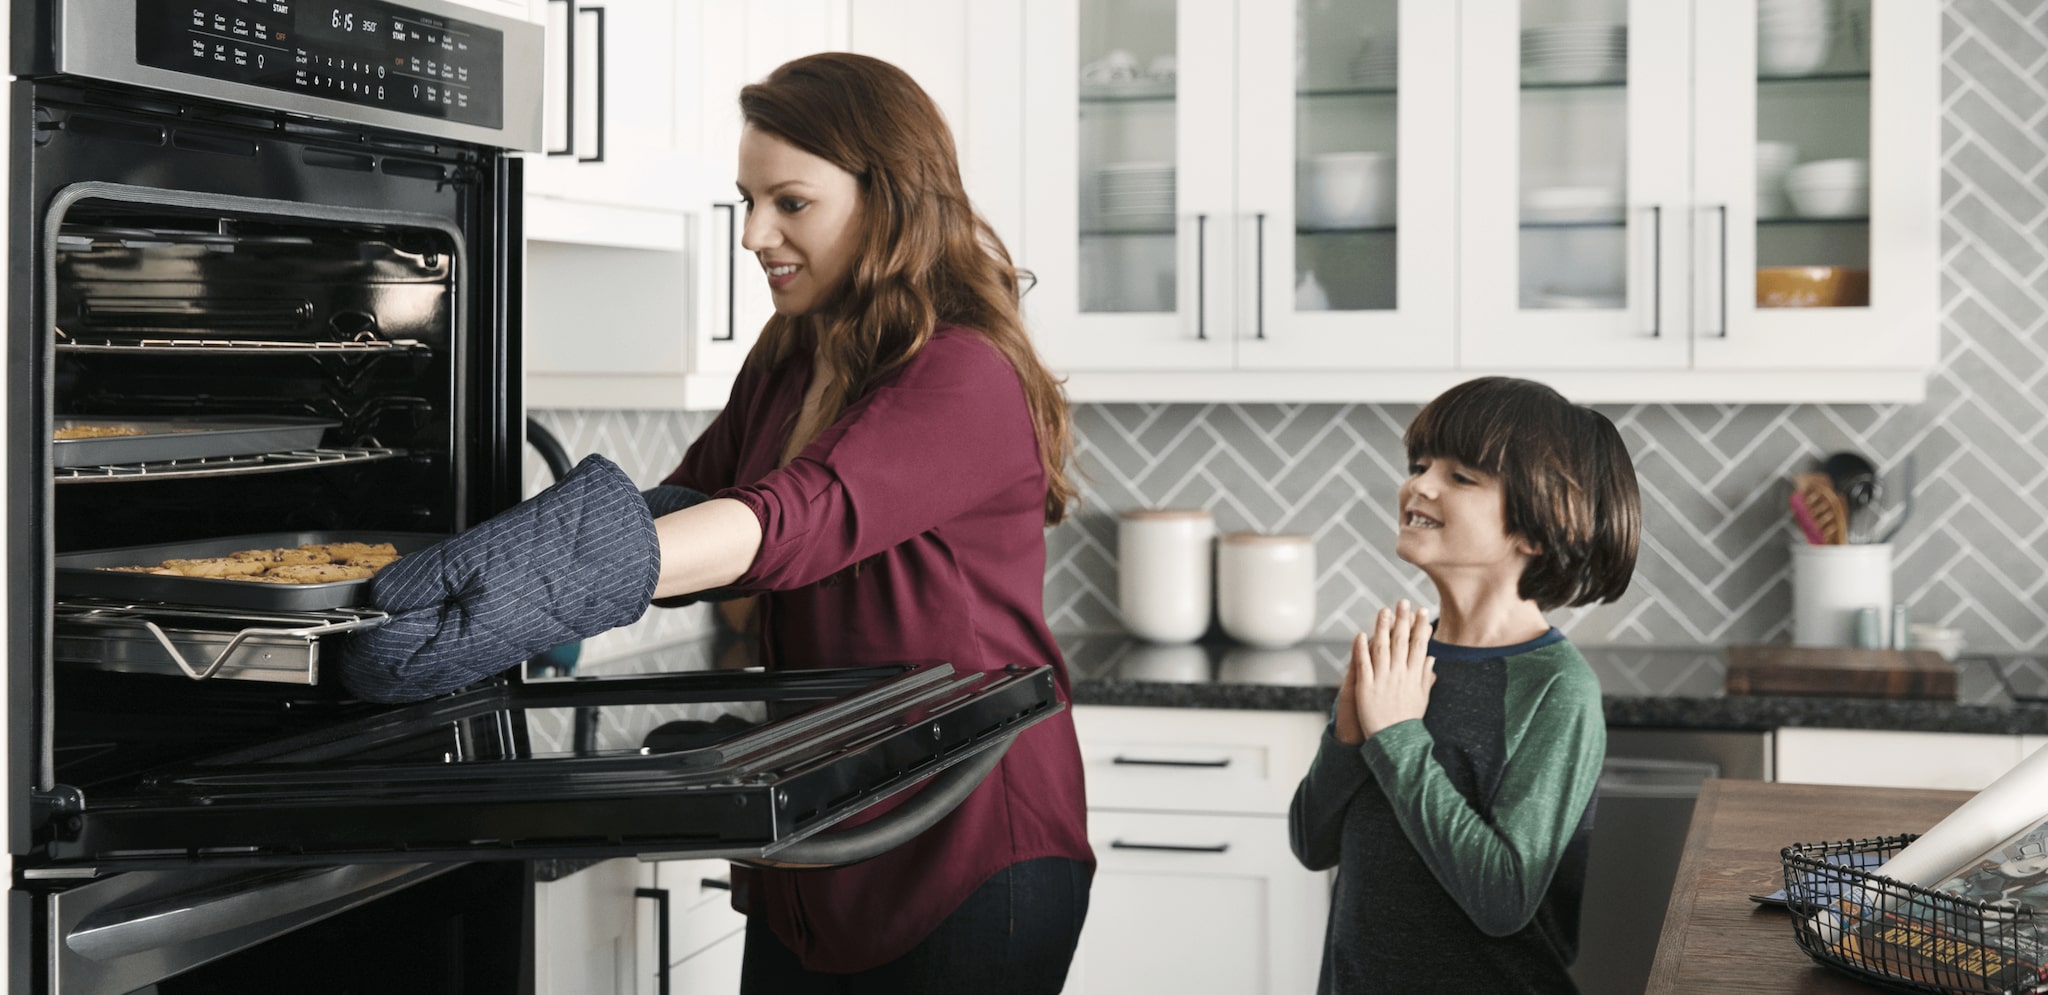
1715, 939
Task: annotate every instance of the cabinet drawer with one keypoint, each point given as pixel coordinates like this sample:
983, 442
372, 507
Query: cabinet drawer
1194, 760
700, 913
1198, 904
1876, 758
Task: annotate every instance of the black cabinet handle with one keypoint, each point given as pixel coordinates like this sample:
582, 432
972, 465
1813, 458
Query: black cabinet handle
1259, 288
732, 239
660, 896
597, 12
716, 884
569, 117
1123, 761
1723, 209
1169, 847
1656, 271
1201, 276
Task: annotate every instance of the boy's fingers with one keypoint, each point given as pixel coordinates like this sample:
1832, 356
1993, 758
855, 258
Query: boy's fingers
1382, 630
1398, 642
1418, 636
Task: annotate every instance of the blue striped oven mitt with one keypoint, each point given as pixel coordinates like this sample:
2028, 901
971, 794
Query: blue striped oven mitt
572, 561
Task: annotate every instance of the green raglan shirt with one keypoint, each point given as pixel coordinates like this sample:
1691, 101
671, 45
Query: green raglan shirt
1460, 840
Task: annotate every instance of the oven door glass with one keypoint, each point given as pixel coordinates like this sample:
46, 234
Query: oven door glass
732, 764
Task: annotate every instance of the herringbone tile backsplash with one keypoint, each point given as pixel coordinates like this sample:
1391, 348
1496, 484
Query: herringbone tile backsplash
1715, 559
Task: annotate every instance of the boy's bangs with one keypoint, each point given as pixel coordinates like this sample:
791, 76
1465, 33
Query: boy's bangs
1464, 426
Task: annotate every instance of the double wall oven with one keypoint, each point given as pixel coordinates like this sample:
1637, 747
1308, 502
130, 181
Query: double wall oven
264, 274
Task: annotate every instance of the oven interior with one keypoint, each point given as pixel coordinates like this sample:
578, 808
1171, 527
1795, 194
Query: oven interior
240, 326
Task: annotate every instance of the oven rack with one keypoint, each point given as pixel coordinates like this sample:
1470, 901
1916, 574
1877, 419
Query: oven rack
201, 643
215, 466
363, 344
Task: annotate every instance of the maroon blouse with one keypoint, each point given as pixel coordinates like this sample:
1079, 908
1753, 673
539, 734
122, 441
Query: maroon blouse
932, 484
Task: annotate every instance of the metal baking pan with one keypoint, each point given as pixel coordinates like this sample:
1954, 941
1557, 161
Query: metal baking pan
185, 437
79, 576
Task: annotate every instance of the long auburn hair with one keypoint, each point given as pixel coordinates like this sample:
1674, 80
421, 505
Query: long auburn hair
926, 258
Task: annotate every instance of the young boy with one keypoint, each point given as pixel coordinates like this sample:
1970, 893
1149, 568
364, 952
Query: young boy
1454, 790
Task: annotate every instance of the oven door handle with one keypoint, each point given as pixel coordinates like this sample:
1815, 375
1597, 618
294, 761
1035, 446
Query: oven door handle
938, 799
125, 930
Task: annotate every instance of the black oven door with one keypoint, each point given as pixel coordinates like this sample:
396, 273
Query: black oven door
743, 765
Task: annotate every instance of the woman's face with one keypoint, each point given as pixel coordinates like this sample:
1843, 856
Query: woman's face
1453, 519
803, 220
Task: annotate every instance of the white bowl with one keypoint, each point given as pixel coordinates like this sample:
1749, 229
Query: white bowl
1347, 190
1835, 171
1828, 200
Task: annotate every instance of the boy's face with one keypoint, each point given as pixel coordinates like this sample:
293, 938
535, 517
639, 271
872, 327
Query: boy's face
1452, 520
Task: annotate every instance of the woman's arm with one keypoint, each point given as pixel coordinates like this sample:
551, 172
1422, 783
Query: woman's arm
706, 546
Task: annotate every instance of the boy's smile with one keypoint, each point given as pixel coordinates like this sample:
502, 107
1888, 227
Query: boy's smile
1453, 518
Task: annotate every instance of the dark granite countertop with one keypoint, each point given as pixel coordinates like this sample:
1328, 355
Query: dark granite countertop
1663, 687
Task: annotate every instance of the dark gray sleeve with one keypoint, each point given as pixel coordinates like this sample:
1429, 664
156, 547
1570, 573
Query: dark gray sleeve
1315, 821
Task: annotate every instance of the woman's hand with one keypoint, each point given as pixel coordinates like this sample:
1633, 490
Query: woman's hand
1393, 669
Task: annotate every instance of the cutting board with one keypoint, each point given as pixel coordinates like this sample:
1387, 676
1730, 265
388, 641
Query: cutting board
1841, 672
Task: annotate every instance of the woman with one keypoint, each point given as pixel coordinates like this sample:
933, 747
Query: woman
883, 474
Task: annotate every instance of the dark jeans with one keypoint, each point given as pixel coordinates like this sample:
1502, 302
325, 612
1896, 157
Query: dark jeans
1015, 935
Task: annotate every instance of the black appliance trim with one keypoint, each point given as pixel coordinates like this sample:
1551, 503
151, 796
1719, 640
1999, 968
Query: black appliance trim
302, 801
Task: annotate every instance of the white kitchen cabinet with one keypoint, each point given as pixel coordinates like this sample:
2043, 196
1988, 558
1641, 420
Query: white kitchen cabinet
1618, 219
1573, 192
1163, 140
706, 938
587, 934
1195, 889
615, 125
639, 294
1891, 759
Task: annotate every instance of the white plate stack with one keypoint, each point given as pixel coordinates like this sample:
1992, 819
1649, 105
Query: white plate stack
1582, 52
1135, 194
1376, 64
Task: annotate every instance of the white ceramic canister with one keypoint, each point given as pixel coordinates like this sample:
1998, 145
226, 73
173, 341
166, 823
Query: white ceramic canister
1266, 588
1164, 565
1831, 583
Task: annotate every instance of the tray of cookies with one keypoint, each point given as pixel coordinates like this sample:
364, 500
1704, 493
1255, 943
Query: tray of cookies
270, 571
106, 441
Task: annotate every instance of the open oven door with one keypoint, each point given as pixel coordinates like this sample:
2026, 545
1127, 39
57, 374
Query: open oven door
740, 765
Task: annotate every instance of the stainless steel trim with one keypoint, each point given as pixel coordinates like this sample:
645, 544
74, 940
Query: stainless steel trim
132, 929
95, 39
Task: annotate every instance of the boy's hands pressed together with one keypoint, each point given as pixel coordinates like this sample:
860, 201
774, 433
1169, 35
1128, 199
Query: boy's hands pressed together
1391, 672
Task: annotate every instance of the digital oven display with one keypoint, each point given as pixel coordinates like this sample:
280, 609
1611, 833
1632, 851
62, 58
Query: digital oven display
359, 51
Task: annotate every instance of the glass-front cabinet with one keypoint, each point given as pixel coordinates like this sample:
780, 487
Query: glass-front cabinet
1218, 185
1635, 199
1817, 172
1574, 194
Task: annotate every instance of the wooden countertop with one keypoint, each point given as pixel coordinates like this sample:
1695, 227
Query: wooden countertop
1715, 939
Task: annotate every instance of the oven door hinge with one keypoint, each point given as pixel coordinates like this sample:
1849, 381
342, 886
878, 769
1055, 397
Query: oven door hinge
59, 800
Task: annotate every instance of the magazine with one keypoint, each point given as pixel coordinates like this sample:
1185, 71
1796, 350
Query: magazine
2013, 875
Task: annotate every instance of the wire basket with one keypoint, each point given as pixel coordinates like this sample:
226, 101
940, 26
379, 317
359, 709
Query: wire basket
1904, 937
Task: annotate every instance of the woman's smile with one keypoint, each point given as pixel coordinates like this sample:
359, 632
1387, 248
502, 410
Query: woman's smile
803, 220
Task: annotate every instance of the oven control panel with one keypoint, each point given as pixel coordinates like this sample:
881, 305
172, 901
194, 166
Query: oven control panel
362, 52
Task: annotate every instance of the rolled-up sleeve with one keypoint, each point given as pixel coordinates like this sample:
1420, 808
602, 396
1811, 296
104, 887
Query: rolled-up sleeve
950, 432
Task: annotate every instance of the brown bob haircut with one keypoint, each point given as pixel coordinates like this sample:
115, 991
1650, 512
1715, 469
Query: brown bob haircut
927, 259
1568, 483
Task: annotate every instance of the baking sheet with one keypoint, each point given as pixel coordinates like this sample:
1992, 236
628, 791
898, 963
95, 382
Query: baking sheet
77, 574
185, 437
